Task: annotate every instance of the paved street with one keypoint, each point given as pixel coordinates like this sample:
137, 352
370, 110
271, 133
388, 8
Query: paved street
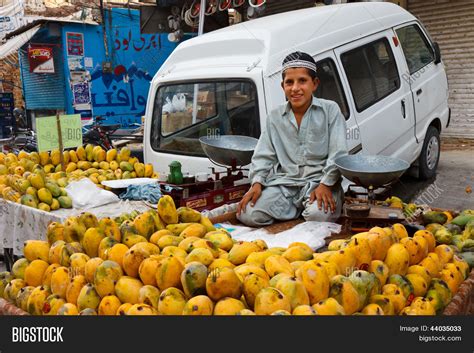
449, 189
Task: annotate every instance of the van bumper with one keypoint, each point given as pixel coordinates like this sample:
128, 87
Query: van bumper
449, 117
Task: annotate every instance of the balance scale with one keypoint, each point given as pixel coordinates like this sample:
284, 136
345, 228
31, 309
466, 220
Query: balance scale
372, 177
228, 152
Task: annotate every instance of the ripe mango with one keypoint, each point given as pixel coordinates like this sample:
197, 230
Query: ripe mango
36, 249
48, 273
242, 271
314, 278
144, 225
201, 255
276, 264
105, 277
384, 302
44, 158
342, 289
135, 255
109, 305
206, 222
18, 268
400, 231
372, 309
294, 290
240, 251
124, 154
420, 287
362, 251
252, 285
34, 272
193, 279
269, 300
110, 229
445, 253
167, 210
89, 220
91, 241
396, 295
223, 283
36, 300
88, 298
171, 302
68, 309
188, 215
104, 246
147, 270
194, 230
22, 297
168, 273
298, 252
403, 283
12, 289
127, 289
91, 266
397, 259
74, 230
380, 270
116, 253
52, 304
199, 305
149, 295
74, 288
132, 239
60, 280
228, 306
304, 310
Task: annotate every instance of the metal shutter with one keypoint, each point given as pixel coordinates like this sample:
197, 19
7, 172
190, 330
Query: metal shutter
451, 24
44, 91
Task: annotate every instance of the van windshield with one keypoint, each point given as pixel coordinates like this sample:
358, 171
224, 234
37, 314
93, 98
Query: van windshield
184, 112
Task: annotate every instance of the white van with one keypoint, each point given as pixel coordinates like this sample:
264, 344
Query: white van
374, 59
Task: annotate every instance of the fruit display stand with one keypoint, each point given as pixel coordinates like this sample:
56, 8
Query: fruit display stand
19, 222
173, 261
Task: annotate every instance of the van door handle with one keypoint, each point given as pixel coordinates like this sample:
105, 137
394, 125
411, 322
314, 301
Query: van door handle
420, 91
403, 109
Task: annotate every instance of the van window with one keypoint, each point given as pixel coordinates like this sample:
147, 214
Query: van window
372, 72
418, 52
186, 111
330, 85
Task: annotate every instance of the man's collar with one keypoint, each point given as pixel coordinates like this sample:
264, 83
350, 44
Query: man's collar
315, 103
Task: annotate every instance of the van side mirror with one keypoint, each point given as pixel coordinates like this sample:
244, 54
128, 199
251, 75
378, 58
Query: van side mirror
437, 53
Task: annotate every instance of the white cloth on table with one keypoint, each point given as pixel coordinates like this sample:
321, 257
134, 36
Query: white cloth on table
19, 223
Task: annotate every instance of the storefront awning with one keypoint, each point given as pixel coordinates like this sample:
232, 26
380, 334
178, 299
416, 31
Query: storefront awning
15, 43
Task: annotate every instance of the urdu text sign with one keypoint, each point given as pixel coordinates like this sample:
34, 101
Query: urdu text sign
47, 132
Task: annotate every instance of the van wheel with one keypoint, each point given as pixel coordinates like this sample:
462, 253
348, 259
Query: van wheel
429, 156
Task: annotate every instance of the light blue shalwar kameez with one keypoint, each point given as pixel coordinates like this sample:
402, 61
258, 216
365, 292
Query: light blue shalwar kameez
290, 162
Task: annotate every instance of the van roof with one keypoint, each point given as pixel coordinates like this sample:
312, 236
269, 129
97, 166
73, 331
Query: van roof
264, 42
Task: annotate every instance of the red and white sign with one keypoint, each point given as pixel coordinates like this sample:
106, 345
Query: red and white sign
41, 60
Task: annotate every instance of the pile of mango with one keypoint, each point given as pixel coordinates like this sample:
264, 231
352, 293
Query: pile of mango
37, 179
175, 262
24, 181
457, 232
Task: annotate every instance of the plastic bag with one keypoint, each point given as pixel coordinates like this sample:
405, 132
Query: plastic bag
311, 233
85, 194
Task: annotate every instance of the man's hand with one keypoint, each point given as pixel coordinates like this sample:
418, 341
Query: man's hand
323, 194
252, 195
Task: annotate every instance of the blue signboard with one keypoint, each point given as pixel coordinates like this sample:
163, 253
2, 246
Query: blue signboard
7, 121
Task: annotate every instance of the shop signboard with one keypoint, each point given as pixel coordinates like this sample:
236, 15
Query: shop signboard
41, 60
6, 114
75, 44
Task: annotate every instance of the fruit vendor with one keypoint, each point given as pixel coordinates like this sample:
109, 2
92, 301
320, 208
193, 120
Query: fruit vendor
292, 171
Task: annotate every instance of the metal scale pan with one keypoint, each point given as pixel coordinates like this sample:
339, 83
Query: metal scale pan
229, 150
371, 172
